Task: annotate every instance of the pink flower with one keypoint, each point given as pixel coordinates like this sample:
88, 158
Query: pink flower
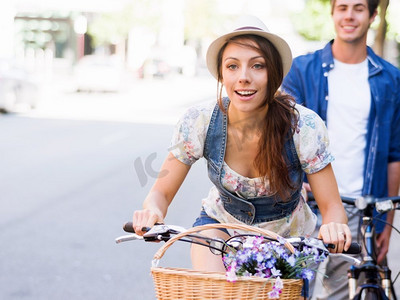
276, 289
231, 273
274, 294
278, 283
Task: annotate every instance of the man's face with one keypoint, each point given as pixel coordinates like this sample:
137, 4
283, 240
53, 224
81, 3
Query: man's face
351, 20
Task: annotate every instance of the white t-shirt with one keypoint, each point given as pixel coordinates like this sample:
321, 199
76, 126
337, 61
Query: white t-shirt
349, 105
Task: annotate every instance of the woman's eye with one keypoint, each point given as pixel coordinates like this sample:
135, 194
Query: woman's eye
258, 66
232, 67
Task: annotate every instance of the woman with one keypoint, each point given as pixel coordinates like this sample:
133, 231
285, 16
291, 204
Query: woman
258, 143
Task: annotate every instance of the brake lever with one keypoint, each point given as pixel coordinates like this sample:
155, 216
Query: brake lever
348, 258
129, 237
160, 232
299, 242
319, 244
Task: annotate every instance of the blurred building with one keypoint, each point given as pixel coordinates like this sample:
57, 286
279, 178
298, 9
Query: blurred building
42, 33
36, 32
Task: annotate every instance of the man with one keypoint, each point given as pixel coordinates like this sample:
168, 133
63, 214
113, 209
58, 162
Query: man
357, 94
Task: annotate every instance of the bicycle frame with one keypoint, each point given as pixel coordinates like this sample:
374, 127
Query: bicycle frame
377, 278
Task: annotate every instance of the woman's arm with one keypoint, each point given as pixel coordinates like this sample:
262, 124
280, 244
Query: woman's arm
334, 227
155, 206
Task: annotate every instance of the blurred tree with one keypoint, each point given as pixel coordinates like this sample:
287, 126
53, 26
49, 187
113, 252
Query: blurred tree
109, 28
382, 27
195, 25
314, 22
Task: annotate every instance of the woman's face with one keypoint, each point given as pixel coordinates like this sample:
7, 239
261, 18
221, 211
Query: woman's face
244, 76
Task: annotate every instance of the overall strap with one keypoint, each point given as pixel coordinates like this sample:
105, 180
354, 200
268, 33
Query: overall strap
215, 143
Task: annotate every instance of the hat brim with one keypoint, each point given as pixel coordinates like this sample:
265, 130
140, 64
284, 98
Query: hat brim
279, 43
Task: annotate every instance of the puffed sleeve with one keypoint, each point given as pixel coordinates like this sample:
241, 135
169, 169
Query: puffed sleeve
312, 142
190, 132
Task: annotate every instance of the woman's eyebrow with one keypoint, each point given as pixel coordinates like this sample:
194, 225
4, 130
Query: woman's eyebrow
252, 58
230, 57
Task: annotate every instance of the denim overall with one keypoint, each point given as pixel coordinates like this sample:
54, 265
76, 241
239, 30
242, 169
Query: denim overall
252, 210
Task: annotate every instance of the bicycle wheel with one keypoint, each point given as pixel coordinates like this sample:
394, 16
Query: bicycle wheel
371, 294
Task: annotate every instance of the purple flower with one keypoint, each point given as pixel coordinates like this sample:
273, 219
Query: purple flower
250, 242
280, 250
231, 273
275, 272
307, 274
276, 289
274, 294
291, 260
262, 258
278, 283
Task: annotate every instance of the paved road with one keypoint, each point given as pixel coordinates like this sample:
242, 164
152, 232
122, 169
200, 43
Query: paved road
66, 188
68, 181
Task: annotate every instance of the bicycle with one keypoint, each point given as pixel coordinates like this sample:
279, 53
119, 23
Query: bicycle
214, 285
377, 282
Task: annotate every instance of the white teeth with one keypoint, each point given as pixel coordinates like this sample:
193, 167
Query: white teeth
245, 93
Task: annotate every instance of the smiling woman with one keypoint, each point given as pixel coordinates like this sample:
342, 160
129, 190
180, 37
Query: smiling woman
258, 145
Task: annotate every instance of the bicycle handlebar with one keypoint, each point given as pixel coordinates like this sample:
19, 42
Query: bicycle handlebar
382, 204
128, 227
161, 232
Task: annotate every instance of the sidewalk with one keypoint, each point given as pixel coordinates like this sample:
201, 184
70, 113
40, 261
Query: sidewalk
142, 101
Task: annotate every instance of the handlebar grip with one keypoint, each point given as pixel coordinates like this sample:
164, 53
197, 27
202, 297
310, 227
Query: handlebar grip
355, 248
128, 227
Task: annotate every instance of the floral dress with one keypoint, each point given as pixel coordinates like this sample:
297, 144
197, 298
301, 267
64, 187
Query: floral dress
311, 141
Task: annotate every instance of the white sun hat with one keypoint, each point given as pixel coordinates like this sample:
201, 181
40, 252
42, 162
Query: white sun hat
248, 25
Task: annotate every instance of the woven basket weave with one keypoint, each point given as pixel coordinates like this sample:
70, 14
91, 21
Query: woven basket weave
176, 283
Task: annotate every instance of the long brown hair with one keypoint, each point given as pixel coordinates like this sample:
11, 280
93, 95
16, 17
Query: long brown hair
280, 121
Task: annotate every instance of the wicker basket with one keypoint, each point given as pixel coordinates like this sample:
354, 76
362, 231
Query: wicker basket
176, 283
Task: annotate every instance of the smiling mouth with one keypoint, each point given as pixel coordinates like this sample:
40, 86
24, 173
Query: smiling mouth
245, 93
348, 27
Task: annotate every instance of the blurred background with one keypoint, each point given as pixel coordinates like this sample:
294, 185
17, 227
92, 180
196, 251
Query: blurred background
116, 46
89, 95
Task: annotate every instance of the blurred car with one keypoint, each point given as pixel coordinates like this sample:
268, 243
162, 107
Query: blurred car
18, 88
98, 73
154, 68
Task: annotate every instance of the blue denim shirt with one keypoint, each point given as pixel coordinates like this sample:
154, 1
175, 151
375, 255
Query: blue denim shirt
252, 210
307, 81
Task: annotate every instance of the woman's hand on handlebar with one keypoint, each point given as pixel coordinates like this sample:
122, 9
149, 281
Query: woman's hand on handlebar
145, 218
337, 234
